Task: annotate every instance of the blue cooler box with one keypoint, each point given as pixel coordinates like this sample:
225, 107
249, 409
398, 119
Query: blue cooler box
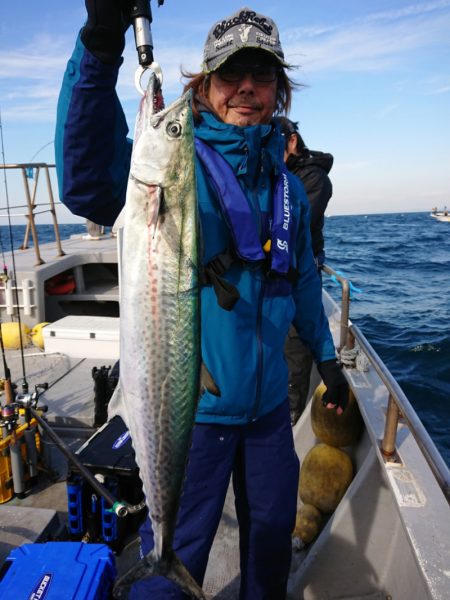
58, 571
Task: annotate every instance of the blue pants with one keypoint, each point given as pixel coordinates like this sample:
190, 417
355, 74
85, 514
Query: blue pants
261, 459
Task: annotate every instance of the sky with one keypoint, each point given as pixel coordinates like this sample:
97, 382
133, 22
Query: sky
375, 92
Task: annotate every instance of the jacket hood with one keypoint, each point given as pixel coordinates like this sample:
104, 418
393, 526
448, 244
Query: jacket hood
324, 160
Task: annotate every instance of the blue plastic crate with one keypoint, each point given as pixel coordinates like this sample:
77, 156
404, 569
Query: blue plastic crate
58, 571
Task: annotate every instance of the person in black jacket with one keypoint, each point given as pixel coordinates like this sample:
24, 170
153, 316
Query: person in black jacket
312, 168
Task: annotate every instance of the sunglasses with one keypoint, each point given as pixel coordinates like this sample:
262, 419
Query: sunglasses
235, 72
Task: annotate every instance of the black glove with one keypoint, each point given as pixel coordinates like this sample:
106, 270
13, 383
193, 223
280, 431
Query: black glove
336, 384
104, 32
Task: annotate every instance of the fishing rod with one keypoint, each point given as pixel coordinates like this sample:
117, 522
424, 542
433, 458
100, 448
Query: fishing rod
4, 275
9, 413
7, 383
13, 259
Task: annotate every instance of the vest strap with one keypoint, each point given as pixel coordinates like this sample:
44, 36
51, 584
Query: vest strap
234, 204
227, 294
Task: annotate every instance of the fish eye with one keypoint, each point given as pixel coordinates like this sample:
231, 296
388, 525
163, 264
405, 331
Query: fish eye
174, 129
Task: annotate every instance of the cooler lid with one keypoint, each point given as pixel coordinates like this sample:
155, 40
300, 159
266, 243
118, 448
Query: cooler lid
81, 327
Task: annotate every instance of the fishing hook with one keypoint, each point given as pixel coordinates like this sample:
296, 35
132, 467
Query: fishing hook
155, 67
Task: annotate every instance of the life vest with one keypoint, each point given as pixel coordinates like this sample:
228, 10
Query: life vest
275, 256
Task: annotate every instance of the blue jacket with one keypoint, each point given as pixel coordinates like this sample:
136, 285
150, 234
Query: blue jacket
242, 348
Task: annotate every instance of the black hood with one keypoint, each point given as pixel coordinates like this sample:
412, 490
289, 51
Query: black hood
324, 160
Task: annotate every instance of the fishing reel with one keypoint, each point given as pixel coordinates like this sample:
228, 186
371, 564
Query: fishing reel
27, 400
9, 415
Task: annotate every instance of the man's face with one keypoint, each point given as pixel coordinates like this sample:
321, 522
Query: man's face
244, 90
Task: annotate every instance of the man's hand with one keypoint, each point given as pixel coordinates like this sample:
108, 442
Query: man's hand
336, 395
104, 31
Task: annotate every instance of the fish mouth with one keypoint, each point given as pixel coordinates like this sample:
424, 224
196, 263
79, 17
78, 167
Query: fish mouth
158, 117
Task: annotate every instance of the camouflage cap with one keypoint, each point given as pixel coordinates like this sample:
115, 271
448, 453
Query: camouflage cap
243, 29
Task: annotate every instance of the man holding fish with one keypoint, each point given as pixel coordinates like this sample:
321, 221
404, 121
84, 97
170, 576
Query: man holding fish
250, 262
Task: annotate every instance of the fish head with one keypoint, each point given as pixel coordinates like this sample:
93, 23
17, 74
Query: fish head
162, 137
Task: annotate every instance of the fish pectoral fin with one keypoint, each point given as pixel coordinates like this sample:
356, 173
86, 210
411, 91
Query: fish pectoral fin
170, 567
119, 223
207, 382
155, 208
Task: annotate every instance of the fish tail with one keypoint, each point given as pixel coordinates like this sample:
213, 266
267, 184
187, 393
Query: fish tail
169, 566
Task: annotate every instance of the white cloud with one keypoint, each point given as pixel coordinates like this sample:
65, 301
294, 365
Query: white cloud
43, 58
408, 11
375, 42
387, 110
441, 90
30, 78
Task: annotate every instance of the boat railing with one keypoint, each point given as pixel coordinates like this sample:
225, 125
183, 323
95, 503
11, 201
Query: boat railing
32, 206
398, 404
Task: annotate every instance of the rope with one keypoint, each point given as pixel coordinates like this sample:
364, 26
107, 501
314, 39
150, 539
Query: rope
354, 358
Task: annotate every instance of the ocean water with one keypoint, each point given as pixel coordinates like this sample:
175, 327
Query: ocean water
401, 262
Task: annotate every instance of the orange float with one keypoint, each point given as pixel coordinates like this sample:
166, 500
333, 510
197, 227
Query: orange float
60, 285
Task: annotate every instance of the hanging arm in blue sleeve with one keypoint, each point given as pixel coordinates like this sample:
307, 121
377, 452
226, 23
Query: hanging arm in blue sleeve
337, 392
91, 148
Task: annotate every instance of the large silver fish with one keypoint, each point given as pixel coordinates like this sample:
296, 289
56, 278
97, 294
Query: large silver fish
160, 322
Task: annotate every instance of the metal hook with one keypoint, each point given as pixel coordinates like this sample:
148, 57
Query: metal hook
155, 67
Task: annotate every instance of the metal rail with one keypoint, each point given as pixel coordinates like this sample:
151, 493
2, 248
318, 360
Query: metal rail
32, 205
398, 403
345, 304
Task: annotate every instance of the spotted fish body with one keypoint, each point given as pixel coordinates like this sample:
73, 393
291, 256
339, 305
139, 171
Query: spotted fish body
160, 321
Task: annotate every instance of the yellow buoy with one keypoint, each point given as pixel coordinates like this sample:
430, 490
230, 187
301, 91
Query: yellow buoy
11, 335
37, 335
307, 523
325, 475
331, 428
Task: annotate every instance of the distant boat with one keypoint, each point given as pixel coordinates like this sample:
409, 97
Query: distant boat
440, 215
